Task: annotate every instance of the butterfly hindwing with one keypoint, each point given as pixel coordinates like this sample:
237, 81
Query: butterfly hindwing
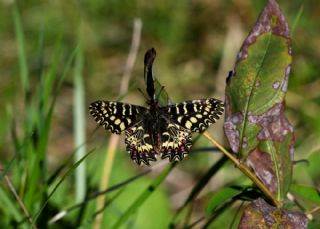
175, 142
195, 115
115, 116
139, 144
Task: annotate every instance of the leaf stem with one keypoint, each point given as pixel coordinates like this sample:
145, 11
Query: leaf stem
244, 169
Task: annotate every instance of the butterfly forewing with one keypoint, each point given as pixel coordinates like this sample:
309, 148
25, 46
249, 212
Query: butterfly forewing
195, 115
115, 116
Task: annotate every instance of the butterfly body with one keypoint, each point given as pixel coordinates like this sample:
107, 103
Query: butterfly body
157, 130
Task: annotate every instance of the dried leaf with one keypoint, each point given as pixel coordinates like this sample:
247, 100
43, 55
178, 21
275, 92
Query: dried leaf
259, 214
256, 126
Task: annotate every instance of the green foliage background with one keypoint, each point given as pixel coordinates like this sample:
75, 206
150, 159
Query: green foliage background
196, 42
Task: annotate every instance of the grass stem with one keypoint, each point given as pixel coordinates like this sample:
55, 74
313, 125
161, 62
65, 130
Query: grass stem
108, 163
79, 123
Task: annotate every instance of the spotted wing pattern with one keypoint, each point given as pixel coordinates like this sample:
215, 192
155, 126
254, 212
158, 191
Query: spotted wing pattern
115, 116
195, 115
174, 126
175, 142
139, 144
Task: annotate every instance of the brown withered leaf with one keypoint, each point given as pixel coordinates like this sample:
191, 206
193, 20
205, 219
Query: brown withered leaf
260, 215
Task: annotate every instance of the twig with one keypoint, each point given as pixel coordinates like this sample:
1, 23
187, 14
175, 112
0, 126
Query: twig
244, 169
137, 25
13, 191
312, 211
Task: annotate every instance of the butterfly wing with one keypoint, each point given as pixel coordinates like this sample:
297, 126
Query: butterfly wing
183, 118
115, 116
175, 141
140, 144
195, 115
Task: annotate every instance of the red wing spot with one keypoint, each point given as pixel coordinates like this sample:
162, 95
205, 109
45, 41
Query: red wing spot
184, 141
176, 149
182, 148
163, 149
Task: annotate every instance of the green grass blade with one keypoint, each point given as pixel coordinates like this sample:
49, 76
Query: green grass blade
9, 207
67, 68
143, 196
200, 185
205, 179
72, 168
296, 20
220, 197
51, 74
87, 200
23, 66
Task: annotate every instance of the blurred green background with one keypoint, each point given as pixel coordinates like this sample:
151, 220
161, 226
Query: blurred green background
196, 42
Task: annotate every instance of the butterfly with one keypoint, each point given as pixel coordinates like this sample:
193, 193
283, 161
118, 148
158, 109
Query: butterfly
157, 130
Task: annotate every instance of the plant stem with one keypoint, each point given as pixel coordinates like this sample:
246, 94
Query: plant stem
20, 202
245, 170
137, 25
79, 122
